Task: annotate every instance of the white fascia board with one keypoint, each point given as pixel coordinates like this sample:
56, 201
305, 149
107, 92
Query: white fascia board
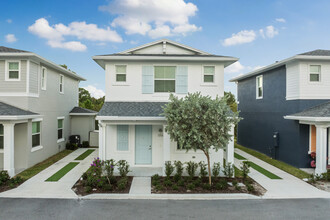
83, 114
116, 118
311, 119
101, 59
48, 62
18, 117
277, 64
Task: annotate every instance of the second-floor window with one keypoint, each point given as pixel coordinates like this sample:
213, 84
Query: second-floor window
314, 73
208, 76
36, 133
13, 70
260, 89
43, 78
61, 84
165, 78
120, 73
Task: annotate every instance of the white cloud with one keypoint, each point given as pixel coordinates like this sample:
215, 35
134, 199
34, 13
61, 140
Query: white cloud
10, 38
281, 20
153, 18
234, 68
96, 93
55, 34
9, 21
269, 32
241, 37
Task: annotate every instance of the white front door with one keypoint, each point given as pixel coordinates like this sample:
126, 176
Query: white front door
143, 144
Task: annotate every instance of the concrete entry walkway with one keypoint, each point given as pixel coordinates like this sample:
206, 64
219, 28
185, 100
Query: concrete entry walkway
37, 187
141, 185
287, 187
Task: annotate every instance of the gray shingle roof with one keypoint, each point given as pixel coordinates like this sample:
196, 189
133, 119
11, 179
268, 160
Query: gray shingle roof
322, 110
9, 110
80, 110
137, 109
11, 50
317, 53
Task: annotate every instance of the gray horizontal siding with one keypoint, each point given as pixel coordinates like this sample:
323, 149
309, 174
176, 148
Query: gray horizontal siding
13, 86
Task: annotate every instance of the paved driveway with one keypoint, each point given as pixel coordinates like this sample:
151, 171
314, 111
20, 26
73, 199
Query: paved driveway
36, 187
164, 209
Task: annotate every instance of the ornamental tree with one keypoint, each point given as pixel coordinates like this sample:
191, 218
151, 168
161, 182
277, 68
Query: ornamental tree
200, 123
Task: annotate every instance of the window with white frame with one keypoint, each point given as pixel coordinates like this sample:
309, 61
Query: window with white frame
315, 73
61, 84
122, 137
60, 125
1, 136
260, 89
13, 70
120, 73
165, 78
43, 78
208, 74
36, 131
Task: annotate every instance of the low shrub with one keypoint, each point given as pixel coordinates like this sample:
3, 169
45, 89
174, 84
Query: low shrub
109, 167
159, 187
70, 146
216, 170
156, 177
181, 182
222, 184
202, 169
4, 177
191, 168
191, 186
206, 186
197, 182
169, 168
123, 168
175, 187
85, 144
228, 170
168, 182
107, 187
238, 188
177, 177
235, 183
16, 180
245, 168
250, 187
178, 168
88, 189
155, 182
122, 183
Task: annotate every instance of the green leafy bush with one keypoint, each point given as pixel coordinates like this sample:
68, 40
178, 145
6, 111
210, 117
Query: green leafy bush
4, 177
168, 182
228, 170
245, 168
181, 182
123, 168
197, 182
216, 170
191, 168
155, 177
107, 187
85, 144
234, 182
88, 189
175, 187
122, 183
202, 169
222, 184
159, 187
169, 168
191, 186
206, 186
109, 167
178, 168
250, 187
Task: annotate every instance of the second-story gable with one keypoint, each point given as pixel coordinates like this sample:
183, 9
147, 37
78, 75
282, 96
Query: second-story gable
152, 71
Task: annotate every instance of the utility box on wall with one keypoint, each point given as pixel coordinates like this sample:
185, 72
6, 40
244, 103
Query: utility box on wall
276, 139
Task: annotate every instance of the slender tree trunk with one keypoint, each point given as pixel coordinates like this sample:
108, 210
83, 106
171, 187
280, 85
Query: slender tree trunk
208, 165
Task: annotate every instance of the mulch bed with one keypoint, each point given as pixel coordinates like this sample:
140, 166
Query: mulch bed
6, 187
258, 189
79, 188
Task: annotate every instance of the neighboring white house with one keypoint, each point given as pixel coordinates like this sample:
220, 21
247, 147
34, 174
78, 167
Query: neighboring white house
138, 83
37, 104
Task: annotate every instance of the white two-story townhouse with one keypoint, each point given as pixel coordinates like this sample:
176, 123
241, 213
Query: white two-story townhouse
38, 100
138, 83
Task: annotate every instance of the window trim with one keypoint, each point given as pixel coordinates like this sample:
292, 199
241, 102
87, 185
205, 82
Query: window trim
7, 70
61, 83
203, 74
309, 73
120, 82
128, 141
257, 87
45, 78
163, 79
38, 147
61, 139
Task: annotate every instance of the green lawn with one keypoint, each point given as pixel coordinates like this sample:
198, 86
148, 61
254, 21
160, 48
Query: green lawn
32, 171
263, 171
59, 174
237, 156
279, 164
84, 155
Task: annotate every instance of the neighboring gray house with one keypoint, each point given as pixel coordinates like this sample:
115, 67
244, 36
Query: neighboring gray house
36, 98
285, 108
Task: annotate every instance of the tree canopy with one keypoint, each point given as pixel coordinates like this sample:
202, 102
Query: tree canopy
200, 123
89, 102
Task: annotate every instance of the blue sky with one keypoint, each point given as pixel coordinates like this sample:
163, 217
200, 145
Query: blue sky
258, 32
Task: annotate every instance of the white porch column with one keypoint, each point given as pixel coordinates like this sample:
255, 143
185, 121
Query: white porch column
102, 130
230, 148
8, 148
166, 148
321, 150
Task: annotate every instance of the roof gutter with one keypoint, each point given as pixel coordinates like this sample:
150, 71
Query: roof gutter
18, 117
129, 118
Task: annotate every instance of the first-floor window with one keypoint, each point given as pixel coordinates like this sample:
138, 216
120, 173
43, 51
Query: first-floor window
1, 136
165, 78
122, 137
60, 128
35, 133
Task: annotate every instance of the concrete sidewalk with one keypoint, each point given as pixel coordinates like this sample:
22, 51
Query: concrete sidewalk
287, 187
36, 187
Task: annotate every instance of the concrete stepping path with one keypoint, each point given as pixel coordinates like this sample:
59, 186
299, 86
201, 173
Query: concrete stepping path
37, 187
287, 187
141, 185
